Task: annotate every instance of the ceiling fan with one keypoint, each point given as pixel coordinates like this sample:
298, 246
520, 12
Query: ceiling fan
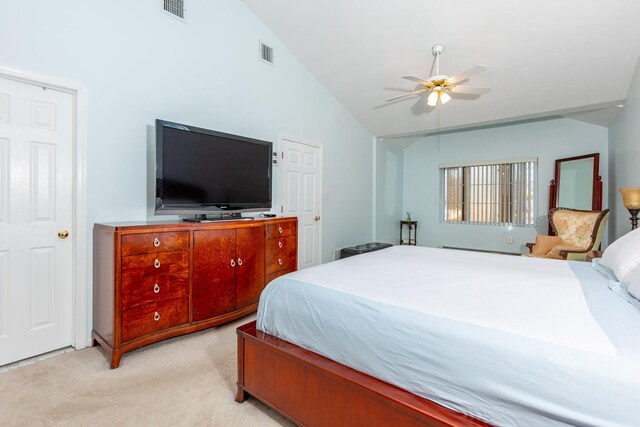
441, 86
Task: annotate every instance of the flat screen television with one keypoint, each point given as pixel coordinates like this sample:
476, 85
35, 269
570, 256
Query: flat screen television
200, 171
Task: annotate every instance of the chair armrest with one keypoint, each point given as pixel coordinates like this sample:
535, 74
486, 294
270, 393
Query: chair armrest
591, 255
574, 255
530, 246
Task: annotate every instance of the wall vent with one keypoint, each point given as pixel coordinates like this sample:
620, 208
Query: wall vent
176, 8
266, 53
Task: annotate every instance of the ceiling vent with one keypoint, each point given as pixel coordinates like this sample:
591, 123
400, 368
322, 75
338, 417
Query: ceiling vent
175, 8
266, 53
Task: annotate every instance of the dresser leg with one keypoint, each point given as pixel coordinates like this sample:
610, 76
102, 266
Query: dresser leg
115, 359
241, 395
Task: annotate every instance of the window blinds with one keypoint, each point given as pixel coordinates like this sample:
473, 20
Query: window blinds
493, 194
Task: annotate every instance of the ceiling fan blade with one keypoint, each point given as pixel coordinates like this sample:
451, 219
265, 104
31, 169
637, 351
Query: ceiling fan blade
466, 74
416, 79
415, 92
470, 89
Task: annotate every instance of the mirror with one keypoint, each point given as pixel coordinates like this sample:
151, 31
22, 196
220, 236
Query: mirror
577, 183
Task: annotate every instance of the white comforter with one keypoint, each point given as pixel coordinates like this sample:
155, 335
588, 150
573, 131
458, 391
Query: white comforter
510, 340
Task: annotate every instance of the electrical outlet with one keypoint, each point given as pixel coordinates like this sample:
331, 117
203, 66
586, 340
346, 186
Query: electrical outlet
510, 240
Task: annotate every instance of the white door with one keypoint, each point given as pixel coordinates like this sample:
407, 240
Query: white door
301, 196
36, 138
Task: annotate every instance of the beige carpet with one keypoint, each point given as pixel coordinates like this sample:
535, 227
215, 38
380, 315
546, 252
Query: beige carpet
184, 381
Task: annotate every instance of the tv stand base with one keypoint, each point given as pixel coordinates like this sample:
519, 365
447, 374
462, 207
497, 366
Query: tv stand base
222, 217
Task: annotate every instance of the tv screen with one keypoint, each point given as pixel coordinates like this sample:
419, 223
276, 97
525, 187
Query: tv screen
200, 171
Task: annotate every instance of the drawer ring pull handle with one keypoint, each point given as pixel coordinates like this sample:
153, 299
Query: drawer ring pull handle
156, 316
156, 289
239, 261
233, 262
279, 261
280, 230
156, 242
280, 244
156, 263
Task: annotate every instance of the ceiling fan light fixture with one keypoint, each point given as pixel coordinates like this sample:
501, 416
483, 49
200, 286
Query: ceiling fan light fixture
441, 85
432, 101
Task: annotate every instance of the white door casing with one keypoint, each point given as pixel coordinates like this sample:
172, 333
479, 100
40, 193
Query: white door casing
42, 186
301, 195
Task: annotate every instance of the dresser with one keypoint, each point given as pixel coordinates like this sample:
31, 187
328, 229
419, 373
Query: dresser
154, 281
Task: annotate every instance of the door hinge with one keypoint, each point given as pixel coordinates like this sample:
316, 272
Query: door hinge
281, 209
282, 154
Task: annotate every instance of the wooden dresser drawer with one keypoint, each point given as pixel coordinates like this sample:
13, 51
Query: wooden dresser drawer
136, 268
154, 242
279, 229
281, 254
144, 319
143, 290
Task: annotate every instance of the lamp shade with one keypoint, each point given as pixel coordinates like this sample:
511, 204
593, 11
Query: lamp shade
432, 101
630, 197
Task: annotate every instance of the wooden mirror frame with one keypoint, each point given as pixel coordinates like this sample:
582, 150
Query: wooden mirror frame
596, 192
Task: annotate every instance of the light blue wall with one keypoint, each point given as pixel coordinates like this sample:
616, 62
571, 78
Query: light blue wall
388, 185
547, 139
624, 156
140, 64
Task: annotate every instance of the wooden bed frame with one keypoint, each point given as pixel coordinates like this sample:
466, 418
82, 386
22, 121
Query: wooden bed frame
312, 390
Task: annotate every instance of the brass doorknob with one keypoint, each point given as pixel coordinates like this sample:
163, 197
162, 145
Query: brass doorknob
63, 234
317, 218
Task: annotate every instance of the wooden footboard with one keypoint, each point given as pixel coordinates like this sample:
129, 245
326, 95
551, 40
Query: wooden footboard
312, 390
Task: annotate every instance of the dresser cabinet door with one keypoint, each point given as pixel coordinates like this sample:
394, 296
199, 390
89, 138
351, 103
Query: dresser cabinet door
250, 268
214, 273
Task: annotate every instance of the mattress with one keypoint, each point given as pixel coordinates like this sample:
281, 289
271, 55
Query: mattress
508, 340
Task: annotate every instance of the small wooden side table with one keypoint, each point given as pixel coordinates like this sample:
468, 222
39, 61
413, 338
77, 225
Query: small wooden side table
412, 232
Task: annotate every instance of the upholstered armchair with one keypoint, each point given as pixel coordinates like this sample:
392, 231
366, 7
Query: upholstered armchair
576, 233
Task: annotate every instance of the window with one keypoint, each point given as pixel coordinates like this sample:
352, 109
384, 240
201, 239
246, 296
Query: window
494, 193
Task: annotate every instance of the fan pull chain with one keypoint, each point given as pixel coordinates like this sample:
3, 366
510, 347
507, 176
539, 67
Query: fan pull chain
438, 129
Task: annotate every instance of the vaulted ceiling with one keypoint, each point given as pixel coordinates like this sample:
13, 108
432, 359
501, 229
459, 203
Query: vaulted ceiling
544, 57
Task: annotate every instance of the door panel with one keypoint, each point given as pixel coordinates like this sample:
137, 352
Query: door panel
36, 143
4, 108
4, 180
214, 273
293, 189
43, 172
4, 292
250, 244
302, 197
42, 286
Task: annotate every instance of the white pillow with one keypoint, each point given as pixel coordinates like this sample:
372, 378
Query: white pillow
623, 257
634, 288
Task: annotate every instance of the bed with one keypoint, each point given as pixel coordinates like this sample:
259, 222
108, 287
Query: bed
413, 335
